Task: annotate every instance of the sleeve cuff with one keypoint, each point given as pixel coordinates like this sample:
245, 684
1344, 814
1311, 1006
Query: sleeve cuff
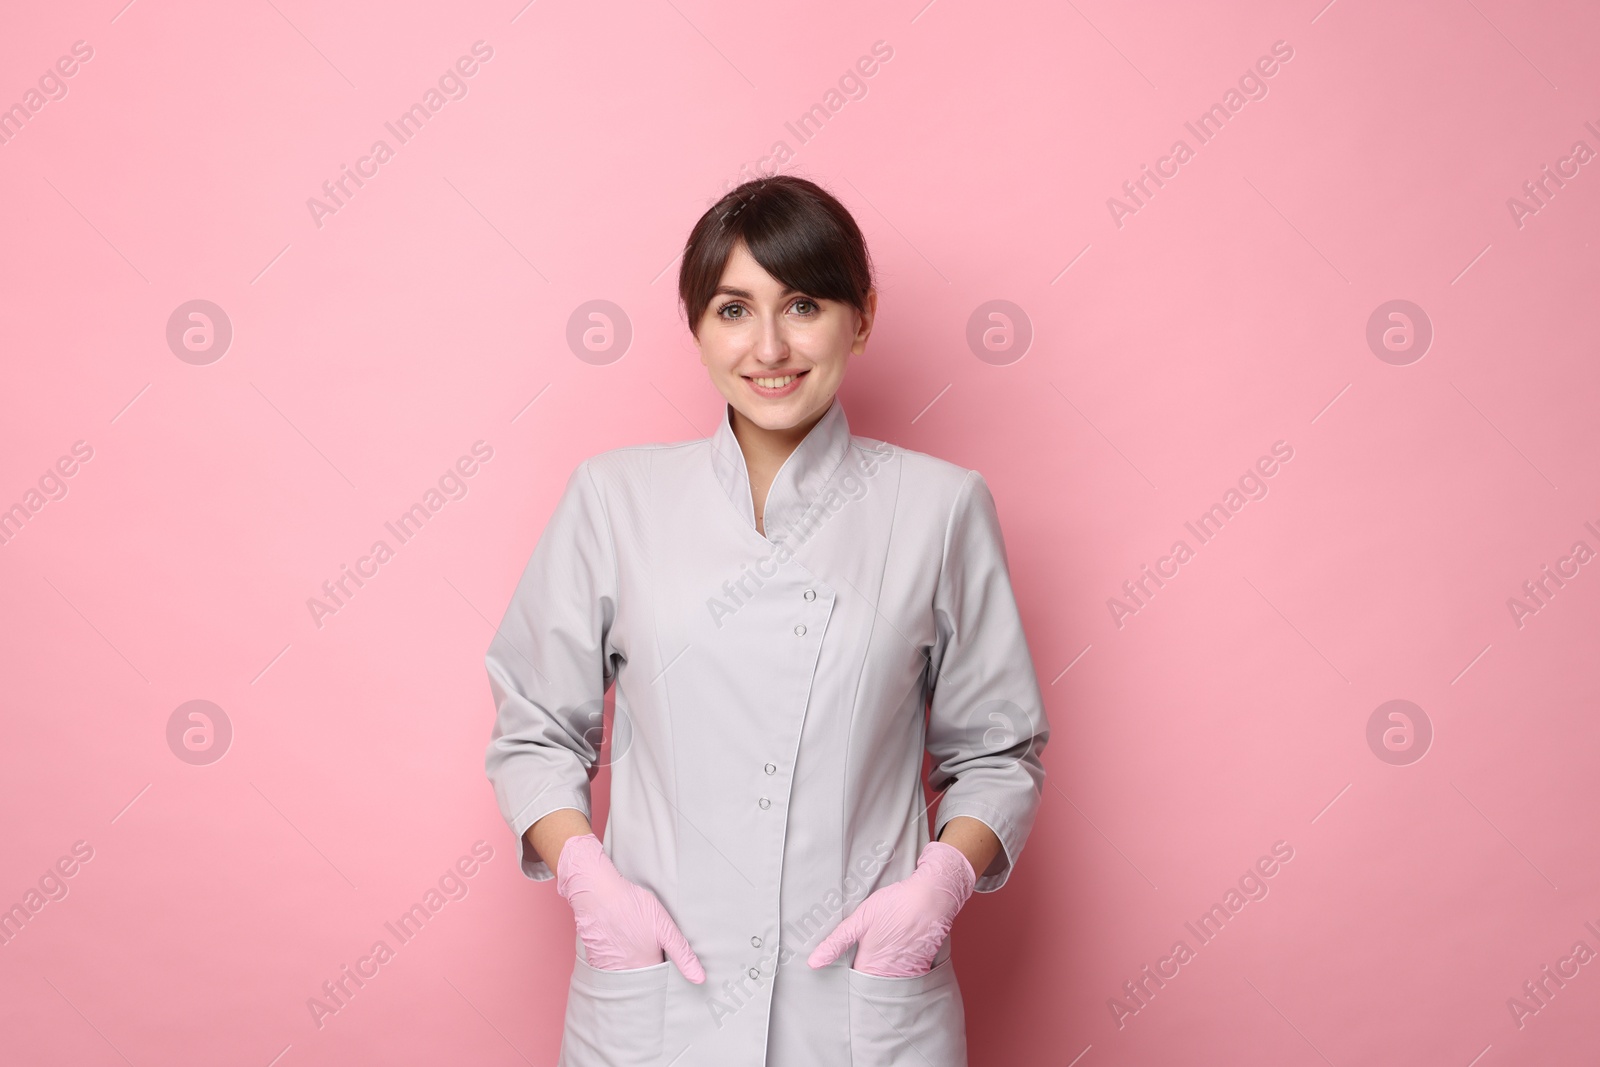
1003, 828
534, 866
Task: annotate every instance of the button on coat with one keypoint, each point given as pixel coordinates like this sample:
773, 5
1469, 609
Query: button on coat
873, 622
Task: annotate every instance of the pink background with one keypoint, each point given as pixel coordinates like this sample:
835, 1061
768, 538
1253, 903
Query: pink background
1168, 353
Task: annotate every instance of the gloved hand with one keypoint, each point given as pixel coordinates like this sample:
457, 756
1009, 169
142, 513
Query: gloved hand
622, 925
901, 926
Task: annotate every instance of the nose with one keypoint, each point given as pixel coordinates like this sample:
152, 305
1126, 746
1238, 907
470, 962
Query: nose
772, 347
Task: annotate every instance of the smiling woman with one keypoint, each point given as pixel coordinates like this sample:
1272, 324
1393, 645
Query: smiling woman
756, 754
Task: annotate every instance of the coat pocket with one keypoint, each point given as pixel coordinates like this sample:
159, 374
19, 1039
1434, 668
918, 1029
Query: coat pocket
907, 1022
614, 1018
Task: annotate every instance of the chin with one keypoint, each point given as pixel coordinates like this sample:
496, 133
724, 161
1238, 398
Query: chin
783, 414
774, 416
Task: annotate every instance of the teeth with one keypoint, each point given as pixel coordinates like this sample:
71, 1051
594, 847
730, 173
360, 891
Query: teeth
774, 383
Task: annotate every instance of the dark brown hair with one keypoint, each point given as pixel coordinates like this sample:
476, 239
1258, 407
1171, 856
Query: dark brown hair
794, 228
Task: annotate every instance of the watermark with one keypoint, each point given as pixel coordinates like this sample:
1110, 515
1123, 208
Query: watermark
999, 332
51, 887
52, 485
452, 85
1541, 190
1538, 592
1252, 485
51, 85
338, 992
609, 745
801, 930
452, 485
1251, 887
199, 732
1252, 85
199, 332
1007, 729
1538, 991
1399, 332
599, 332
851, 85
1399, 732
739, 591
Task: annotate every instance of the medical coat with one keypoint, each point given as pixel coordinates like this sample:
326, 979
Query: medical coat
774, 697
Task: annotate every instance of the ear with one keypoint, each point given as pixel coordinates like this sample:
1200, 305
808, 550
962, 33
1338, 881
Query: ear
865, 321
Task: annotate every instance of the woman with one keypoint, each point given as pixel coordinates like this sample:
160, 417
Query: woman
791, 616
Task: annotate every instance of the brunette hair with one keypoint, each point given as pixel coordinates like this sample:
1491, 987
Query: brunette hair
794, 228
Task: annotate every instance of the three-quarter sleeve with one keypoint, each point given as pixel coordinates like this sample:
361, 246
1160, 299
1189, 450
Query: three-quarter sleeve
549, 665
986, 722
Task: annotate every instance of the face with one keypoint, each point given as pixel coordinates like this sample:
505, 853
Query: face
777, 355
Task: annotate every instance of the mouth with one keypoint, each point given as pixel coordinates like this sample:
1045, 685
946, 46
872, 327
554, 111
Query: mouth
775, 385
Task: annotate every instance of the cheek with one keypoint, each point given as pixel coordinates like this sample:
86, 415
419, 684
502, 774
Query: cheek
717, 351
826, 342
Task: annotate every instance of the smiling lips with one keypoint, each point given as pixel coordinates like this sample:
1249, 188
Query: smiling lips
775, 385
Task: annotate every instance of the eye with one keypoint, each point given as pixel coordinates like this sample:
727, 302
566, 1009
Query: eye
812, 304
730, 305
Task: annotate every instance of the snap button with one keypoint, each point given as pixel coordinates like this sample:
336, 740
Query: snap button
810, 594
800, 631
755, 942
764, 803
772, 768
754, 973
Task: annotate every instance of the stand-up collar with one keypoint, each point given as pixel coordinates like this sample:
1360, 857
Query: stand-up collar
800, 479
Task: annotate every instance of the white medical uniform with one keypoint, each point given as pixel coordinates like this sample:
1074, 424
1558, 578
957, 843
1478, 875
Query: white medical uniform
774, 698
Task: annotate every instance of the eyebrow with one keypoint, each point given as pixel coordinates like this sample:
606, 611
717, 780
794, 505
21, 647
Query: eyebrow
743, 294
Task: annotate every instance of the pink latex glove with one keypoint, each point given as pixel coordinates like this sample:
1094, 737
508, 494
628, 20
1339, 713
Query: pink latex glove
901, 926
622, 925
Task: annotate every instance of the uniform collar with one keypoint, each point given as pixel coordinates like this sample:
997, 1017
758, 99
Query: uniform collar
801, 478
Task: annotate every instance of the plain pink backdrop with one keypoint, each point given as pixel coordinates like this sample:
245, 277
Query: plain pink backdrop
431, 311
